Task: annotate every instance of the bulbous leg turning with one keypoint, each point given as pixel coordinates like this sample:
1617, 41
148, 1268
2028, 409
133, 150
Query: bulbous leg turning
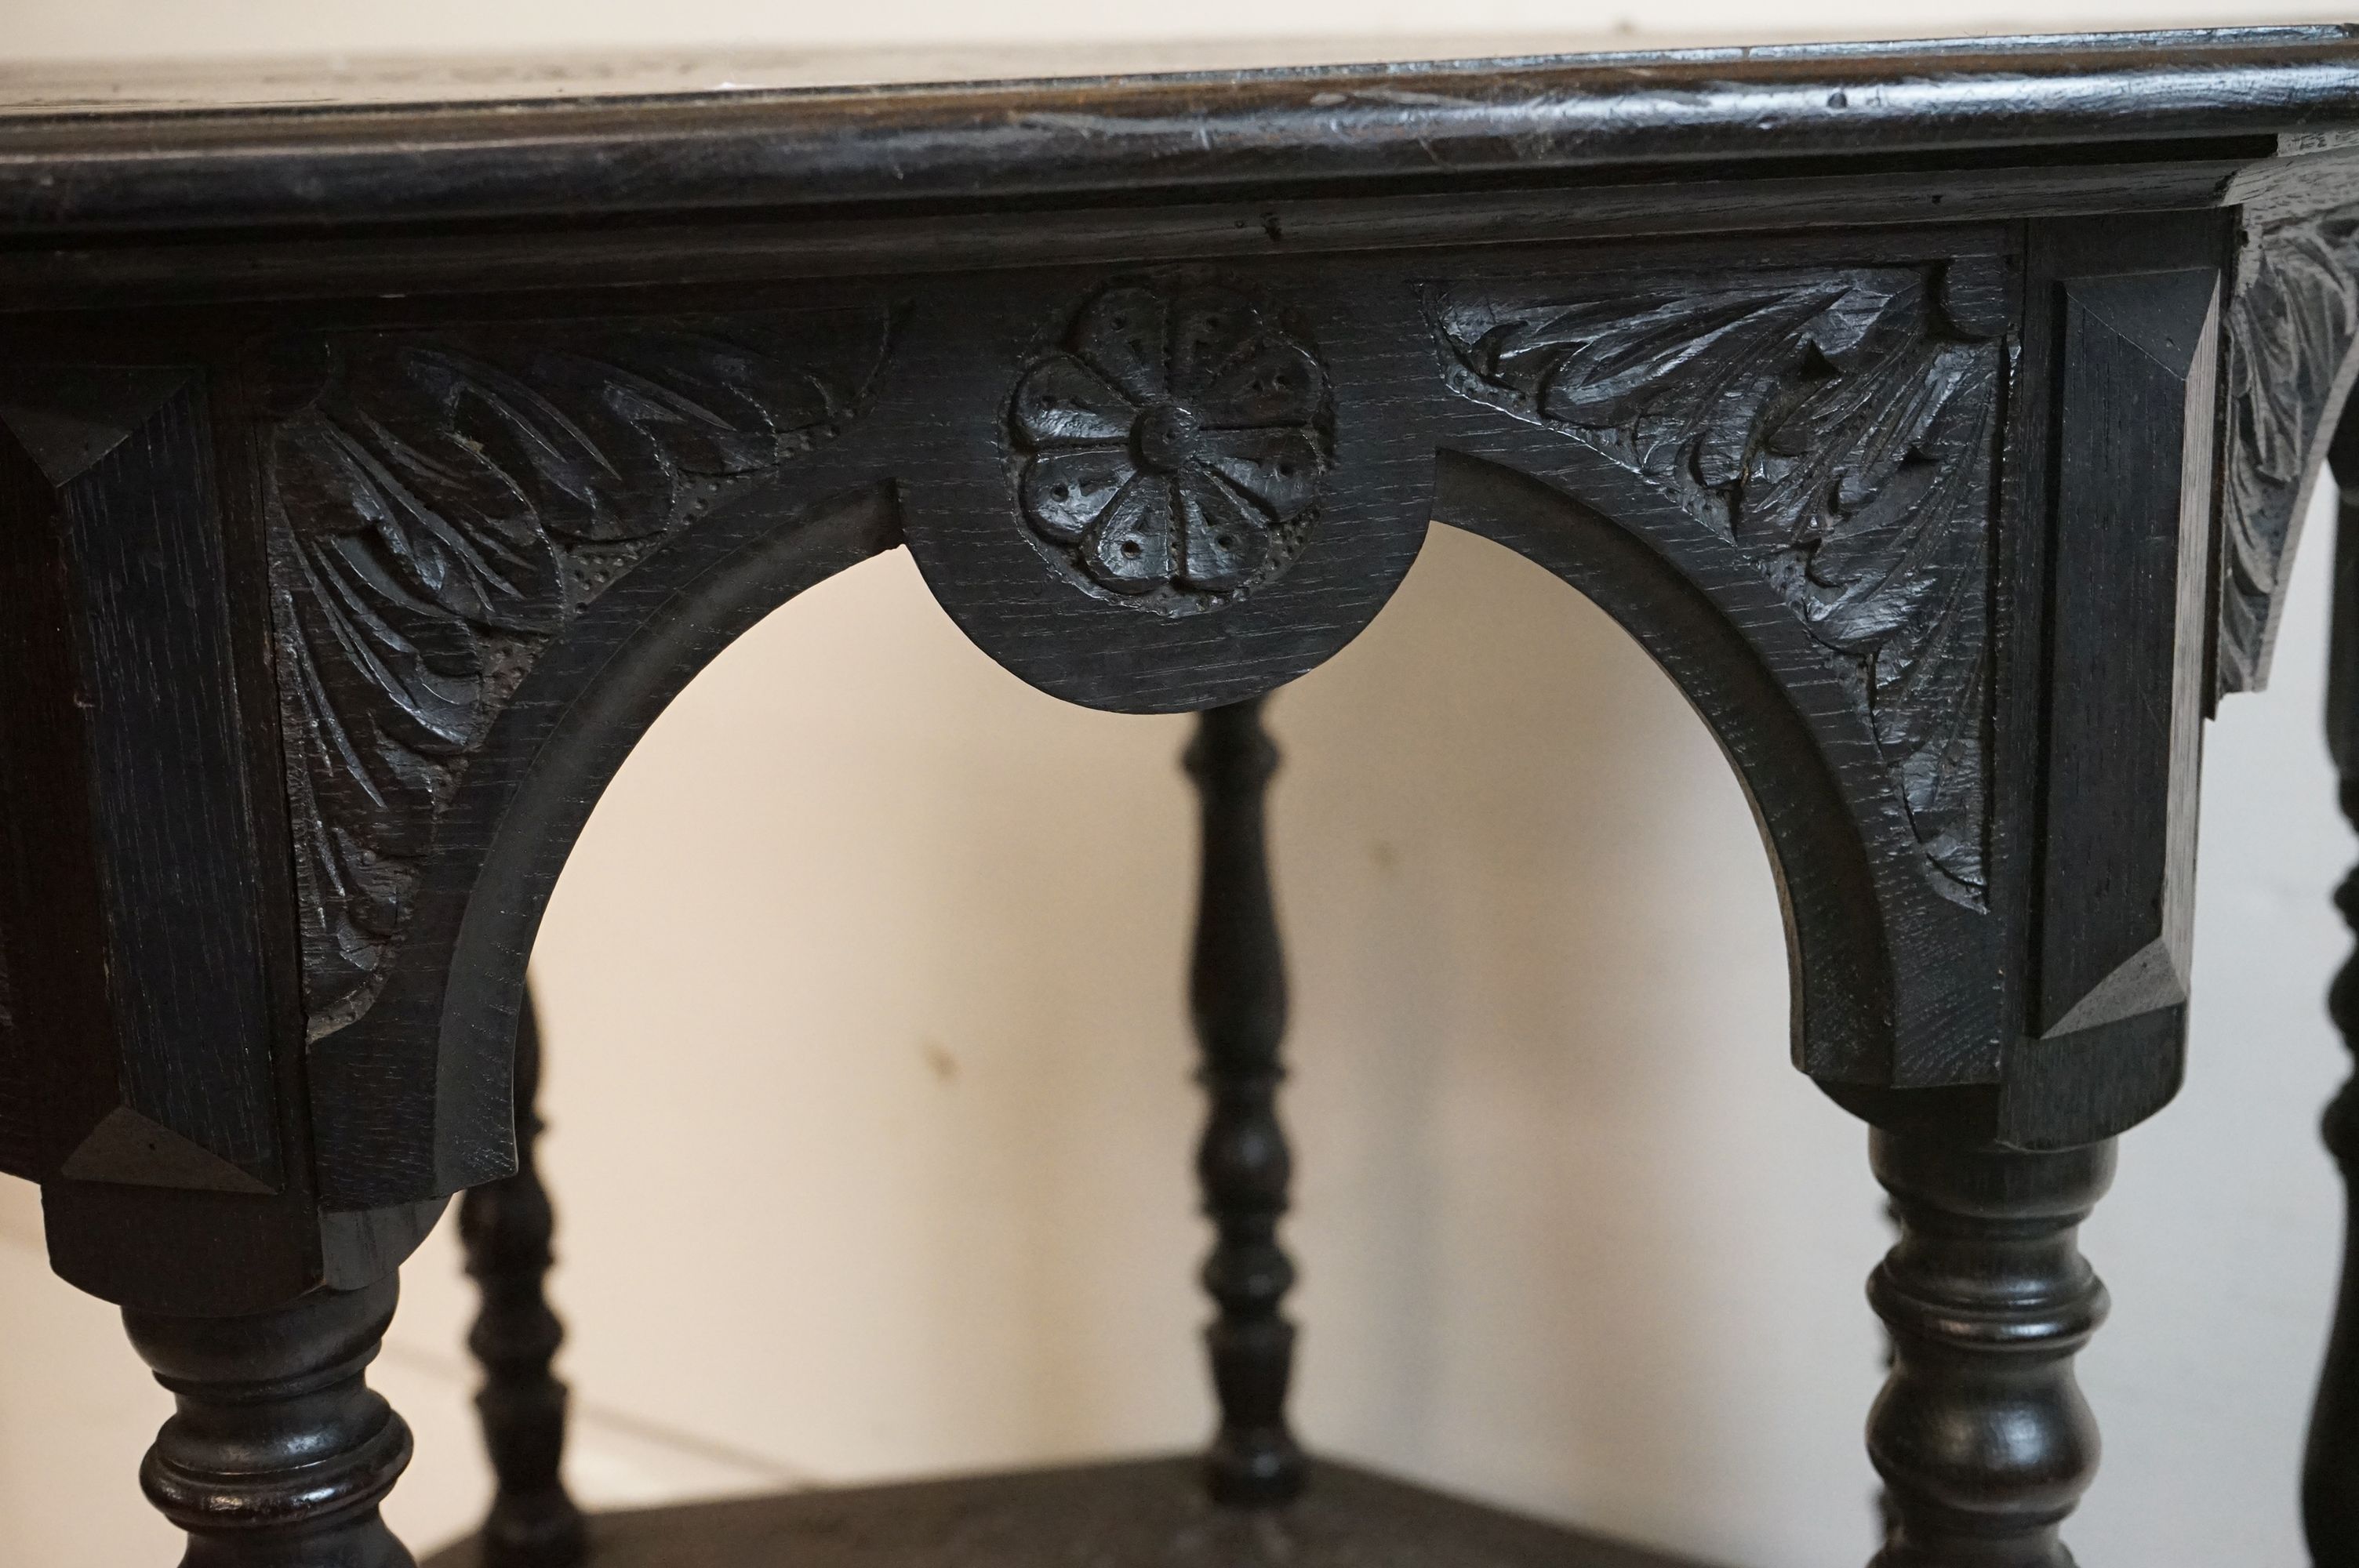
281, 1453
2330, 1475
1237, 992
506, 1228
1981, 1435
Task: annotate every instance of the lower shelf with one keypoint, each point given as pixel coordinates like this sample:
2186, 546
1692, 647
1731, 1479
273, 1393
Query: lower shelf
1149, 1513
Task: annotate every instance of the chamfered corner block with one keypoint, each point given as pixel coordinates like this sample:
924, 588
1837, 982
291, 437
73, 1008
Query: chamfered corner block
139, 1031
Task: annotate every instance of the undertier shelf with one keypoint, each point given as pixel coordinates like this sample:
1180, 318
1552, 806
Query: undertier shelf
1149, 1513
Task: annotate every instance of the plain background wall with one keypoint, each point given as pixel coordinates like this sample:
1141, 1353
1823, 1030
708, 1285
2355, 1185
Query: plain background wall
862, 995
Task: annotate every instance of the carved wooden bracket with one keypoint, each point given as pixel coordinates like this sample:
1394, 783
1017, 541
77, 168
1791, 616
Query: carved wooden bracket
1147, 491
2292, 351
372, 475
492, 549
441, 505
1840, 430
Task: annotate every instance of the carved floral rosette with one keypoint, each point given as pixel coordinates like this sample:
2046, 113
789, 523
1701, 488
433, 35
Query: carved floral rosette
1840, 430
440, 505
1172, 448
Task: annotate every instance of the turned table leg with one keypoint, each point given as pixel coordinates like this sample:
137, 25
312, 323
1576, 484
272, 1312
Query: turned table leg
2330, 1477
281, 1453
1237, 992
1981, 1435
506, 1227
2330, 1472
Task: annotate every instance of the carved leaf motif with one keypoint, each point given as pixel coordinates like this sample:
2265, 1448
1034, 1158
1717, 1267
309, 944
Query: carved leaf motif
441, 505
1839, 428
2293, 326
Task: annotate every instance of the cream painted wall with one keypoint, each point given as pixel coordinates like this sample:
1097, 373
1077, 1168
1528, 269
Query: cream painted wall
869, 1079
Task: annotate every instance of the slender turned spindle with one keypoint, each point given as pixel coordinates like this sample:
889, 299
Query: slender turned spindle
1981, 1435
1237, 994
2330, 1472
279, 1453
505, 1228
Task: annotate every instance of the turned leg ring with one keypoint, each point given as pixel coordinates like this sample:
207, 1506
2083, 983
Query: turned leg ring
1981, 1435
279, 1452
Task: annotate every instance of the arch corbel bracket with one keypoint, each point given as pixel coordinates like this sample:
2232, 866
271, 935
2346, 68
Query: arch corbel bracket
1152, 490
2293, 332
1784, 480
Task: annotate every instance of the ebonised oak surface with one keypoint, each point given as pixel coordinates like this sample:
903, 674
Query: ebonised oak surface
1939, 416
1148, 1513
95, 166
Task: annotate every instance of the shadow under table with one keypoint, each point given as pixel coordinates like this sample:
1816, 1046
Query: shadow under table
1137, 1513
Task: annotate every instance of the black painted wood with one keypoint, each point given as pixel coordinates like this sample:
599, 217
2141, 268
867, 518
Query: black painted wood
2329, 1476
506, 1227
1809, 451
137, 909
1196, 456
281, 1453
1938, 415
499, 841
2000, 184
2131, 571
1981, 1435
2292, 350
1435, 125
2131, 504
442, 676
1237, 994
1134, 1511
885, 461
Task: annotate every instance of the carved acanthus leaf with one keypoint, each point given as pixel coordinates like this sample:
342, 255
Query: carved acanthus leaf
1840, 430
2293, 325
441, 505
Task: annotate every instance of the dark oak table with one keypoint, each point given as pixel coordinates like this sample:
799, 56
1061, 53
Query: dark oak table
1938, 415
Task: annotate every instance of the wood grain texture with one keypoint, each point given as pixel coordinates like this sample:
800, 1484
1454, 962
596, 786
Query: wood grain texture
2115, 611
60, 1051
1810, 445
1435, 123
417, 455
169, 795
1840, 428
2104, 620
1296, 424
2131, 574
441, 505
137, 890
1995, 184
416, 1096
1812, 450
1731, 667
1836, 519
1149, 1510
